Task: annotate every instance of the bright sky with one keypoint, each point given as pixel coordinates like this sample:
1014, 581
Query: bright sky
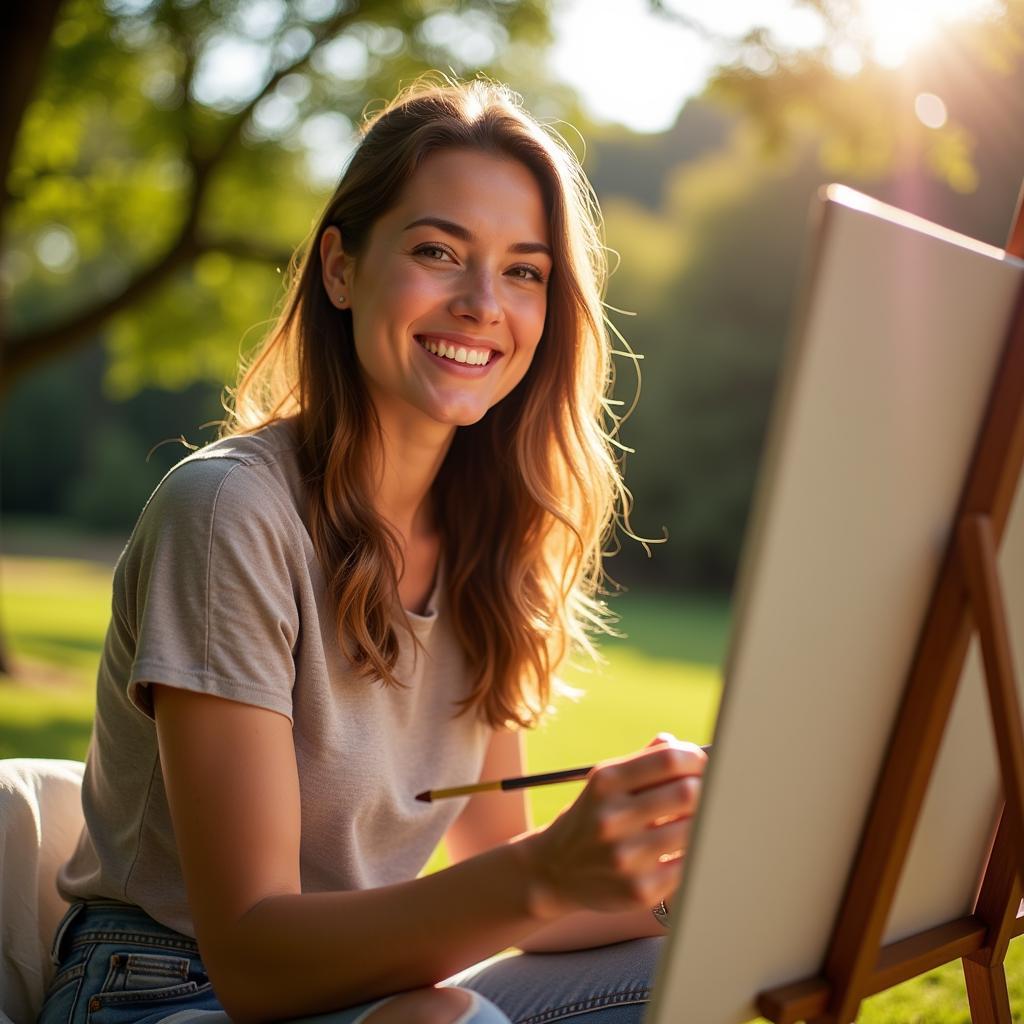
635, 67
627, 64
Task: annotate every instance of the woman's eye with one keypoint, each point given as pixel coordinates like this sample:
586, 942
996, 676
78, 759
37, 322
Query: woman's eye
441, 253
527, 273
433, 251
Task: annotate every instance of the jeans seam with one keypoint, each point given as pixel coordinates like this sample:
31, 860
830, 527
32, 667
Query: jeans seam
160, 965
165, 994
77, 996
626, 998
64, 978
62, 929
135, 938
75, 982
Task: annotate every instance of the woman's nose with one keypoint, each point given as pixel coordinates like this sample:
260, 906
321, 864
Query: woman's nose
477, 300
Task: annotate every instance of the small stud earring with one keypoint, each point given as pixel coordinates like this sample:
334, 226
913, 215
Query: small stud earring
341, 298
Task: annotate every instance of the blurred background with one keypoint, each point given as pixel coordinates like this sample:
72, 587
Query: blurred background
163, 158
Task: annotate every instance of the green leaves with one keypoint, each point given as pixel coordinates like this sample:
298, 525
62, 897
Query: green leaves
169, 132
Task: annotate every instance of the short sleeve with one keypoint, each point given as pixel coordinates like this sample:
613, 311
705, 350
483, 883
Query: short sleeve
209, 589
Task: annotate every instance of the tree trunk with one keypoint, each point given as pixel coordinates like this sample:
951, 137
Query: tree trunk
25, 30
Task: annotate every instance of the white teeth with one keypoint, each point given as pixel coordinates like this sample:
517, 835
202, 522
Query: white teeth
459, 355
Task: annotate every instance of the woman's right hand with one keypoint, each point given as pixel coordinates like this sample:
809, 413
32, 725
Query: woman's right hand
604, 852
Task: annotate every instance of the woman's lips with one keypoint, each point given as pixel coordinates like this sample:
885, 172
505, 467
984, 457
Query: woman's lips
461, 369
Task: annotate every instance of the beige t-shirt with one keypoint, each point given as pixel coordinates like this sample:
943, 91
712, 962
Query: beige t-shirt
219, 591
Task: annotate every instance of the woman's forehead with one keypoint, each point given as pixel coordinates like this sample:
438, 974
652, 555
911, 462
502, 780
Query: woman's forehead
474, 189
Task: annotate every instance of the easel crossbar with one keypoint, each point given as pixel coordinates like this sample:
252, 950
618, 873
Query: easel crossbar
897, 962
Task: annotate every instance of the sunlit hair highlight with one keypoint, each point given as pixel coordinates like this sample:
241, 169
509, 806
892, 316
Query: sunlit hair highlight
528, 496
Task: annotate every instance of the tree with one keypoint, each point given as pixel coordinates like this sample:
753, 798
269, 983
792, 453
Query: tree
710, 258
152, 193
157, 176
839, 86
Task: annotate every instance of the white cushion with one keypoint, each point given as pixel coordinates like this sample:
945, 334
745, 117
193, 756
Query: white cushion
40, 822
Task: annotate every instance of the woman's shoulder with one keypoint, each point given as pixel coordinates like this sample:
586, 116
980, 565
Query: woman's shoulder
232, 482
204, 473
263, 447
199, 481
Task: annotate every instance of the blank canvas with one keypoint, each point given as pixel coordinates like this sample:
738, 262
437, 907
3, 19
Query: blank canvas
884, 384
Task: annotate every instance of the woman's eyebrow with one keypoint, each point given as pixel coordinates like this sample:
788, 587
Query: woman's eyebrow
449, 227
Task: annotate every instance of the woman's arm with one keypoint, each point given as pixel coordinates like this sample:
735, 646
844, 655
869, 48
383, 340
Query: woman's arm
587, 928
272, 951
490, 819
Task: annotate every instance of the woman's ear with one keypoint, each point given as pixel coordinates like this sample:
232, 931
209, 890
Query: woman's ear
338, 268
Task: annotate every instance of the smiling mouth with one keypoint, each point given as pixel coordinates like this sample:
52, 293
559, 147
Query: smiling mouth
457, 353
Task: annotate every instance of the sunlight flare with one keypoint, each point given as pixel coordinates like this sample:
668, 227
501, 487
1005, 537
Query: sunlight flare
896, 28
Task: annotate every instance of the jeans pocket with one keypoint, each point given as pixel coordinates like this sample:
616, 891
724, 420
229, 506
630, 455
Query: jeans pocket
145, 972
136, 983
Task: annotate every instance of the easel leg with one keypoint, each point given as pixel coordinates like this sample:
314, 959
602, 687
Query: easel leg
987, 993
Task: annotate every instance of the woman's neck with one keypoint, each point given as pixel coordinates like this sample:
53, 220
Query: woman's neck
408, 465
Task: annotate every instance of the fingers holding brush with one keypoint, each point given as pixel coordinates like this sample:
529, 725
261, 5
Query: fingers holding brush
618, 845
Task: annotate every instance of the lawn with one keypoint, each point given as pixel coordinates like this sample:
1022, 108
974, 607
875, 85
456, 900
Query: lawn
664, 676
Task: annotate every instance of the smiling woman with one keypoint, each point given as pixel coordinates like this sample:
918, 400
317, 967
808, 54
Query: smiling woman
446, 313
364, 589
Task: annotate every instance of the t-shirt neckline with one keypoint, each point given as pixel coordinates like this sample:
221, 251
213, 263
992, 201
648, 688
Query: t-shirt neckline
433, 601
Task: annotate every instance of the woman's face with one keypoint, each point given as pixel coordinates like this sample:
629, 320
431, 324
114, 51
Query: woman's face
449, 295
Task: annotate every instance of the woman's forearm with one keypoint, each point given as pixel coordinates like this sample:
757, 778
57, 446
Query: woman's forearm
307, 953
587, 928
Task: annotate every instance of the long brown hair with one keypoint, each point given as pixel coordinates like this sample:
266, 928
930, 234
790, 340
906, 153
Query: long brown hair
523, 567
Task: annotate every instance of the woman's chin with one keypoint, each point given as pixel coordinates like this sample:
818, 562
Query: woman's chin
459, 415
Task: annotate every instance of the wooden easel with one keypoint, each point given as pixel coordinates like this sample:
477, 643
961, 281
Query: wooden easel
967, 596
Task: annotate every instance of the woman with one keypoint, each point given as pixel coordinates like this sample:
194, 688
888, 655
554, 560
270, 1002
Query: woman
361, 591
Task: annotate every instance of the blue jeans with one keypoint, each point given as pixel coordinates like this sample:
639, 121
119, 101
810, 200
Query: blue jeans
116, 965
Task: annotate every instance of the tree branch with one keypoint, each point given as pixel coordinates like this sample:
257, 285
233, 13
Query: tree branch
185, 44
25, 31
23, 351
689, 22
330, 28
247, 249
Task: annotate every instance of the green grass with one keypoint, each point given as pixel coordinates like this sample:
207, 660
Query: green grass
54, 614
663, 677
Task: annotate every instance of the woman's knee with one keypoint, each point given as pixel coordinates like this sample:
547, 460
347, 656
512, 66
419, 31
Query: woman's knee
450, 1005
